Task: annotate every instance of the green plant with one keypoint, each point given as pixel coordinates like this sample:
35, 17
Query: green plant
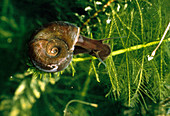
128, 85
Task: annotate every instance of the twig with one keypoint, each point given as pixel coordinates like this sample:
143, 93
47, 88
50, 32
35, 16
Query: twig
154, 52
83, 102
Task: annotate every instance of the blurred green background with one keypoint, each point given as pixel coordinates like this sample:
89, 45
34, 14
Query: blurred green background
129, 85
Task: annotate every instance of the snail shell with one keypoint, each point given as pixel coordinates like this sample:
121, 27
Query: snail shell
51, 48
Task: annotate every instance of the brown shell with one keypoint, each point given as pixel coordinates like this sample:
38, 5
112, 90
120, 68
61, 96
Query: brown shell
51, 48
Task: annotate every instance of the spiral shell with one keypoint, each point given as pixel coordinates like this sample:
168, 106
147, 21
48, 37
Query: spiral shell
51, 48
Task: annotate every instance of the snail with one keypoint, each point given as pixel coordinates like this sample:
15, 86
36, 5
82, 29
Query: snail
52, 47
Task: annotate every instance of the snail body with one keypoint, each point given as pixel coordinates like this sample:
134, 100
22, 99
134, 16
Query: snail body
52, 47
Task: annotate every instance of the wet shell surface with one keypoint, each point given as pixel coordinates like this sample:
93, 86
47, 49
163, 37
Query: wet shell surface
51, 47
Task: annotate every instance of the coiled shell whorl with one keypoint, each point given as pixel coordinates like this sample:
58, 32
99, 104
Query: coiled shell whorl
51, 48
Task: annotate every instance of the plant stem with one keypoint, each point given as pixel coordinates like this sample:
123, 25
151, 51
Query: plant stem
79, 101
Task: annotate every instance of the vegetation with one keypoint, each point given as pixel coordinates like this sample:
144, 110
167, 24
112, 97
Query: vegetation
128, 85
